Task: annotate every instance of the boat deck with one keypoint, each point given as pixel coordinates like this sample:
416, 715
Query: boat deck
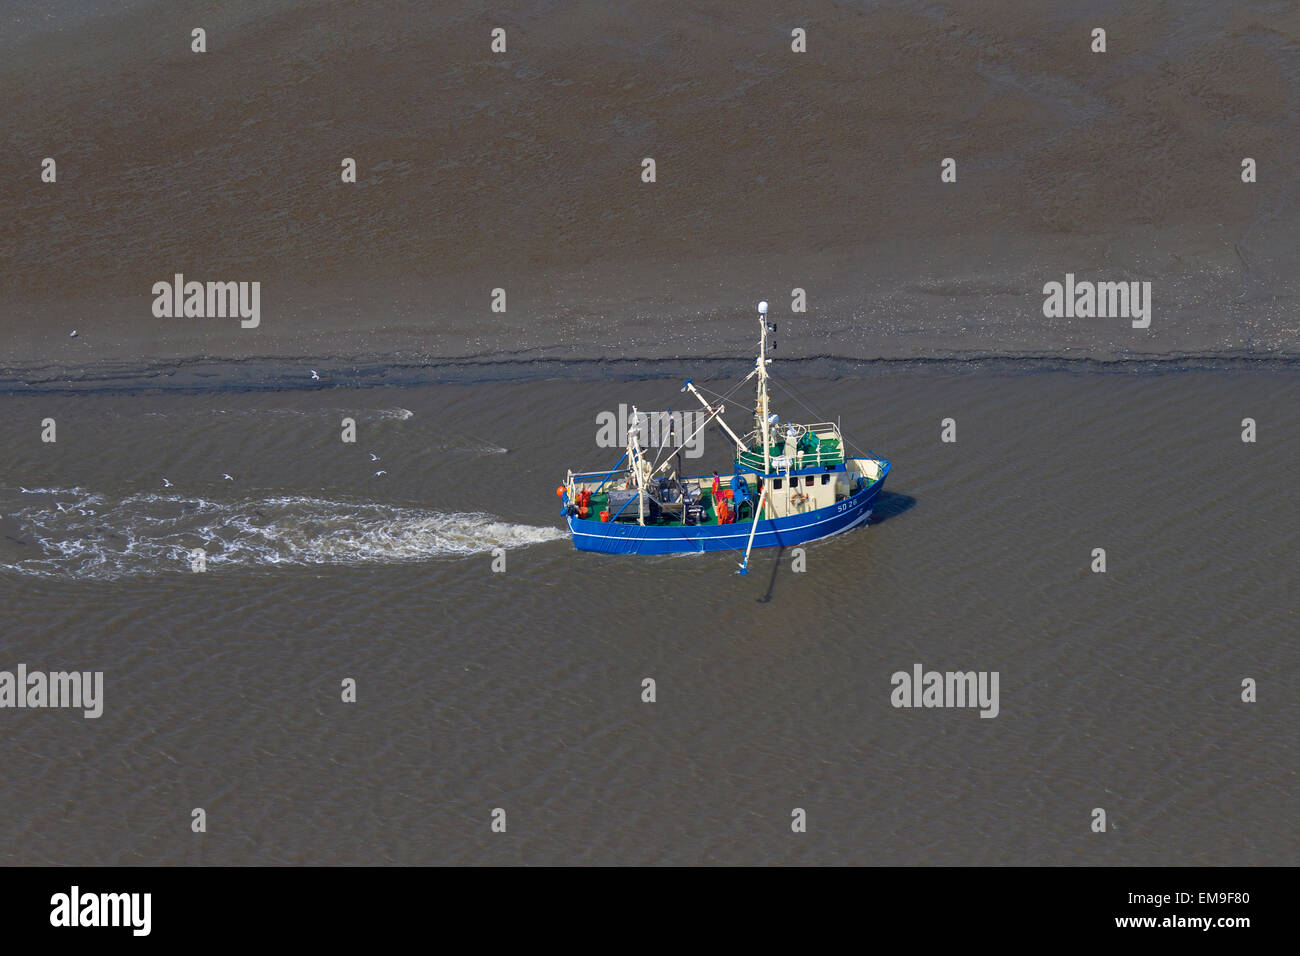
828, 451
600, 501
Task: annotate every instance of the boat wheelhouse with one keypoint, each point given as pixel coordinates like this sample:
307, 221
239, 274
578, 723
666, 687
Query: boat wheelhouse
789, 483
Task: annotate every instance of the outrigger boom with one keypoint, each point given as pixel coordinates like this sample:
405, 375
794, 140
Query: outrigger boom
790, 483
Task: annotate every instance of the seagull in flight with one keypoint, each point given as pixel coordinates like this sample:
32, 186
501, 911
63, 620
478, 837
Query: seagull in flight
374, 457
166, 483
315, 375
72, 334
227, 477
380, 473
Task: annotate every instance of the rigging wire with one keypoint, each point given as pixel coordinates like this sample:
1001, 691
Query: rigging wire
726, 397
789, 390
730, 392
780, 382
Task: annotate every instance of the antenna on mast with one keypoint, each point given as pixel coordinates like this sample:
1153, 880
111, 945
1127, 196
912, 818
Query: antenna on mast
761, 405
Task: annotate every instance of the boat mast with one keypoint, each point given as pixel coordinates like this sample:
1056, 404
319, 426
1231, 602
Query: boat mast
634, 463
761, 404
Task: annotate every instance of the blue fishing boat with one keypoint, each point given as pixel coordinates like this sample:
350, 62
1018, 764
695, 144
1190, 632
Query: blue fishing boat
790, 483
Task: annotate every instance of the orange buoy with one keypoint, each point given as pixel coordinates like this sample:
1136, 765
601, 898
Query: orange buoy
559, 492
604, 516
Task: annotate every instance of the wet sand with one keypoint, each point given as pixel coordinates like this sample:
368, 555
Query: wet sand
521, 171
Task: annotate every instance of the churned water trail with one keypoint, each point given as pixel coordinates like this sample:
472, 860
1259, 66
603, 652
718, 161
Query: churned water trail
78, 533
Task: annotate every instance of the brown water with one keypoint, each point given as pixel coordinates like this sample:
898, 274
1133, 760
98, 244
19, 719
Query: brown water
521, 689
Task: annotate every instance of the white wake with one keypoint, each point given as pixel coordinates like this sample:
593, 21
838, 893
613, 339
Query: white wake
76, 533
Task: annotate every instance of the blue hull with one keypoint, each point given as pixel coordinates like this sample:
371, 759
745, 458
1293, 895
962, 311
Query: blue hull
629, 538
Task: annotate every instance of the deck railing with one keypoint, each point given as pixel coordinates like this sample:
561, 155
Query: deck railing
579, 477
752, 456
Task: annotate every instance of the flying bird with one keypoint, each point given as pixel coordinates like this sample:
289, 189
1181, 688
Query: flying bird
166, 483
227, 477
380, 473
72, 334
374, 457
315, 375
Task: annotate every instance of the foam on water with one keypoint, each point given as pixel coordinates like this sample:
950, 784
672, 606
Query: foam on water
262, 413
78, 533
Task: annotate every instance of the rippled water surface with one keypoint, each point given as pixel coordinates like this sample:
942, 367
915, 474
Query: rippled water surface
522, 689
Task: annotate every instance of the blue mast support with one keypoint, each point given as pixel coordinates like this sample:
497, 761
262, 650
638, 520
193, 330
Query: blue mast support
612, 470
620, 510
